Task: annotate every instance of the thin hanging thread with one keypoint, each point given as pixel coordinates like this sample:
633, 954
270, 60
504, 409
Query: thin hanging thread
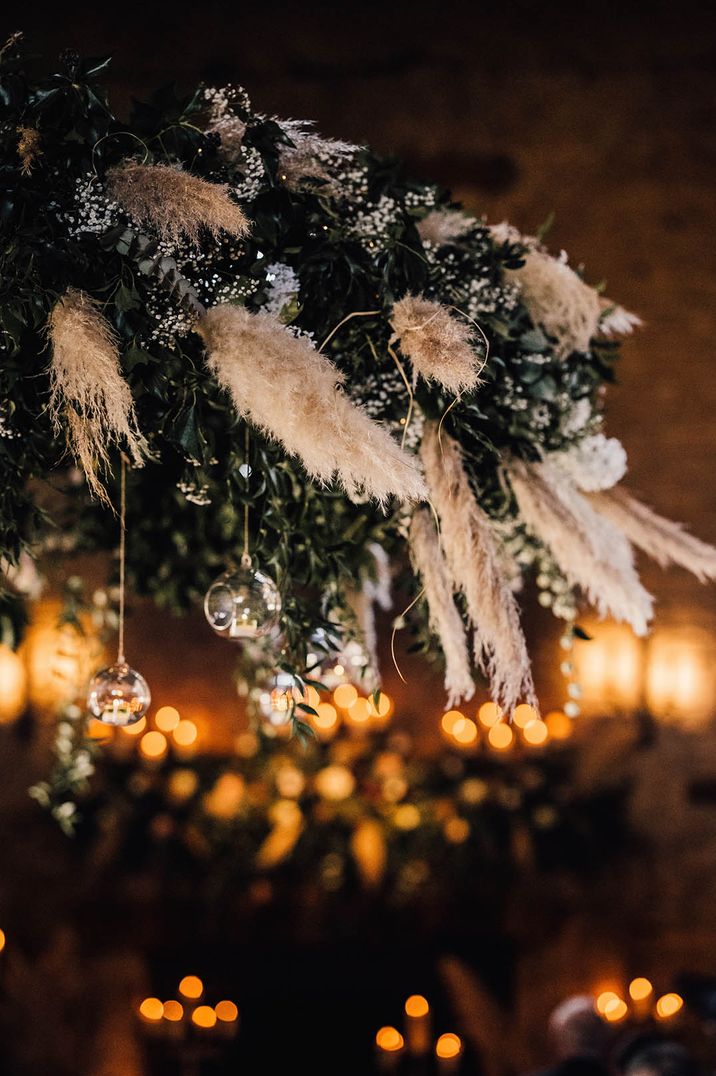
246, 555
122, 555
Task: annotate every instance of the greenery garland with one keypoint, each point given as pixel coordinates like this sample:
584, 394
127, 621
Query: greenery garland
334, 238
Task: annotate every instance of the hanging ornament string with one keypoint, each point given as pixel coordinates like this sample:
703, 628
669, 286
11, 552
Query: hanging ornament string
122, 556
246, 555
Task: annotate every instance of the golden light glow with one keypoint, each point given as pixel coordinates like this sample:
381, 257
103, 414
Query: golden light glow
417, 1005
448, 1045
13, 685
227, 1012
407, 816
640, 988
185, 733
523, 715
153, 744
535, 733
615, 1010
680, 674
151, 1009
384, 707
559, 726
457, 830
97, 730
489, 714
345, 695
359, 712
500, 736
167, 718
173, 1011
668, 1005
450, 720
389, 1039
312, 697
191, 987
135, 729
605, 999
224, 800
335, 783
3, 940
465, 732
204, 1016
609, 668
326, 716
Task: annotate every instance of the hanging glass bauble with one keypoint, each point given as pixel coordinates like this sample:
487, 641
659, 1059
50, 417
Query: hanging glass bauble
242, 604
277, 699
118, 695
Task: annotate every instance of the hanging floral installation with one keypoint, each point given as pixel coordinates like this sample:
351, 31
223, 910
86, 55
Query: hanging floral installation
312, 364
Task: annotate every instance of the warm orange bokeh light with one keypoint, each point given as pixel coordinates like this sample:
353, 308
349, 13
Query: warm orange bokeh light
345, 695
389, 1039
450, 720
326, 716
185, 733
384, 707
135, 729
465, 732
500, 736
204, 1016
640, 988
3, 940
559, 725
173, 1011
153, 744
227, 1012
311, 696
417, 1005
97, 730
489, 714
359, 712
615, 1010
535, 733
523, 715
668, 1005
167, 718
191, 986
151, 1009
604, 1000
448, 1045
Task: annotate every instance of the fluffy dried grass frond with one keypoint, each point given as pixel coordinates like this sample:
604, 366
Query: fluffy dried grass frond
374, 590
88, 392
559, 301
616, 321
475, 563
440, 347
591, 551
28, 148
175, 203
310, 155
662, 539
444, 619
444, 226
283, 385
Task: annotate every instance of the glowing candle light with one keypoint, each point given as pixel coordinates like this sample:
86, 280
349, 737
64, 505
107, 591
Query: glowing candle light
191, 987
418, 1025
448, 1050
641, 993
668, 1006
389, 1045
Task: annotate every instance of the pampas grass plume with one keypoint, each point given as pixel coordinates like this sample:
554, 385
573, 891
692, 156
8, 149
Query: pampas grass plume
439, 346
175, 203
88, 392
283, 385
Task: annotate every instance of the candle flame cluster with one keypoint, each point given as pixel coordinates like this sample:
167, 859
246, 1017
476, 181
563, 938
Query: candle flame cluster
417, 1038
643, 1002
170, 731
191, 1012
491, 729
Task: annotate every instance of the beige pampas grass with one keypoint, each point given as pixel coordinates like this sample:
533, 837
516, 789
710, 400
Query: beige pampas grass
591, 552
444, 619
559, 301
439, 346
663, 540
616, 321
175, 203
444, 226
474, 560
283, 385
88, 392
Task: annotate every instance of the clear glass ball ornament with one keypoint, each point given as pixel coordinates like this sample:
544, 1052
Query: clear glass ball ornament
118, 695
242, 604
276, 699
